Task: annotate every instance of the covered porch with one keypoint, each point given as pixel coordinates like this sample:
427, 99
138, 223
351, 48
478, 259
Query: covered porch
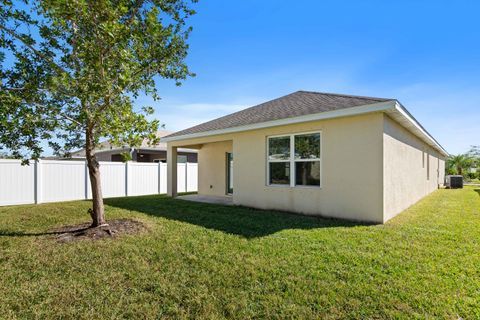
215, 169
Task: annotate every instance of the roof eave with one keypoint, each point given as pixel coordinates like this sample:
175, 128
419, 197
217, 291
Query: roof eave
401, 115
391, 107
358, 110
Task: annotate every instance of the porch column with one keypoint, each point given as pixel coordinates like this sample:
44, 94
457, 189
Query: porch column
171, 171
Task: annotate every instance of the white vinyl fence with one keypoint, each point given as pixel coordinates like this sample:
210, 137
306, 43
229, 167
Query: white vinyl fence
53, 180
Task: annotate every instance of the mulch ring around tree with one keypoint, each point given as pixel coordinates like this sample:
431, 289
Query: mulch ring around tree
83, 231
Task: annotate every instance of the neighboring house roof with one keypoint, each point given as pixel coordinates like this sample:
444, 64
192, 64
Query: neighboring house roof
303, 106
107, 146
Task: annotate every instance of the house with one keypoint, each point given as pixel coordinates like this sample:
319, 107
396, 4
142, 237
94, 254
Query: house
332, 155
144, 153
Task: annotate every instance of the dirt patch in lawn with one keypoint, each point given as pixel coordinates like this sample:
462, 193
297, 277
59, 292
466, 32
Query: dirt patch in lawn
83, 231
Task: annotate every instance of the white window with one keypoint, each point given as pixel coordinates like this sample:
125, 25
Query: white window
294, 160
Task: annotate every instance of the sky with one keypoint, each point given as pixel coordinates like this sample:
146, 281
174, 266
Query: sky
424, 53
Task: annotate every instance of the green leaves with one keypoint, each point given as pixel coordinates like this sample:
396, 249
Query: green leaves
77, 66
458, 164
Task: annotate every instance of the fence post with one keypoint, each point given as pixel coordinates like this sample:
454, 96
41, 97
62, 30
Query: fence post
127, 180
38, 181
186, 176
159, 176
86, 180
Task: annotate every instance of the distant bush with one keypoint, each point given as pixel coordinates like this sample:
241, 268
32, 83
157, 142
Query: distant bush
471, 175
126, 156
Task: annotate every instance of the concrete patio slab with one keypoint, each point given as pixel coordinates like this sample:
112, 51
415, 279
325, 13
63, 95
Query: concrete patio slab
223, 200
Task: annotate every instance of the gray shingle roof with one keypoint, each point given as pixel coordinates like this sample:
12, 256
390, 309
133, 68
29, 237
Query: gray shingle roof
296, 104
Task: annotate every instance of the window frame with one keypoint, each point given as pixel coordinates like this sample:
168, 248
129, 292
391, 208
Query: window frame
292, 160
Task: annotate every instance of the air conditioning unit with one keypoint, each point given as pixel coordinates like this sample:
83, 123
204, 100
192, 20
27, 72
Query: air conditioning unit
454, 182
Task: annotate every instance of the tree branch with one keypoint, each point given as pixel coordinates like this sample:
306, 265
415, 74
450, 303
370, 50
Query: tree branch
20, 89
32, 48
70, 119
134, 12
128, 22
13, 89
64, 116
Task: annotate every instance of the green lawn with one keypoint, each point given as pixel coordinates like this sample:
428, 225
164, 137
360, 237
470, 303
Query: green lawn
209, 261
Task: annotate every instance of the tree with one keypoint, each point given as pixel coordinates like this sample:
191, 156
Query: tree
5, 155
458, 163
72, 69
474, 151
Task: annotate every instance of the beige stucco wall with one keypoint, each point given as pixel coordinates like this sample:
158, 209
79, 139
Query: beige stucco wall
352, 169
372, 169
406, 161
212, 168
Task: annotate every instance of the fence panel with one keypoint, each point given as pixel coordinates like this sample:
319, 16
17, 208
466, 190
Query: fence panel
62, 180
192, 177
163, 178
113, 178
143, 178
17, 182
54, 180
181, 177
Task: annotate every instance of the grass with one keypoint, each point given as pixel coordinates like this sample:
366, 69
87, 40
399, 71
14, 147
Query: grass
209, 261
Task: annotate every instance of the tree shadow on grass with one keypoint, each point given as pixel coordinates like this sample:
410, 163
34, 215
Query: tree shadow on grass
7, 233
243, 221
477, 191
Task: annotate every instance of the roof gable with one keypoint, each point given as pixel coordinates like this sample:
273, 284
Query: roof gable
296, 104
304, 106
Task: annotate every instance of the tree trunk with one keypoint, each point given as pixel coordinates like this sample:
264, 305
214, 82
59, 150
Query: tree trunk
98, 214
